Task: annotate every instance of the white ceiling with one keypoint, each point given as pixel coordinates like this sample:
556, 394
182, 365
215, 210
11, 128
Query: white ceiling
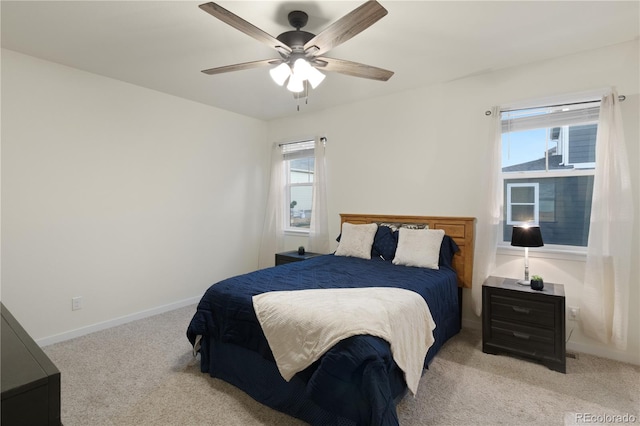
163, 45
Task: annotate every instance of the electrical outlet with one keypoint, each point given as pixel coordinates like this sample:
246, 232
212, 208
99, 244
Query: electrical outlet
76, 303
574, 313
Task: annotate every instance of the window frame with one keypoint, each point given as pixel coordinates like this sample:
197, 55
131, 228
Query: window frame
507, 178
535, 204
308, 148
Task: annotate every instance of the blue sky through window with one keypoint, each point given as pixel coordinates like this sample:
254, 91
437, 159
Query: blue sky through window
522, 147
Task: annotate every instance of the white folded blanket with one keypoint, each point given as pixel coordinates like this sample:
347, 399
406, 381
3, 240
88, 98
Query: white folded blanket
302, 325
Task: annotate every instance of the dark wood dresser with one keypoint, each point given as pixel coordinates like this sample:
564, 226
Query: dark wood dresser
523, 322
30, 381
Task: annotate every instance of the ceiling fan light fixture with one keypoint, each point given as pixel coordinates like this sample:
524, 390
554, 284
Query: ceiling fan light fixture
295, 84
315, 77
303, 70
280, 73
301, 52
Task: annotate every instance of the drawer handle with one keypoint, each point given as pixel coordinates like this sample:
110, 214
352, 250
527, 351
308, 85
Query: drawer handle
521, 309
521, 335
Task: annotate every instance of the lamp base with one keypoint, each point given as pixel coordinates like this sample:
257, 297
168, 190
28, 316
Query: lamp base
524, 282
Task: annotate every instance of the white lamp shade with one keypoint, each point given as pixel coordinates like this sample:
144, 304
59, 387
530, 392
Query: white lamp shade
280, 73
301, 68
314, 77
295, 84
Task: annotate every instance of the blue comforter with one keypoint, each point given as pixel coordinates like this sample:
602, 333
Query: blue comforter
357, 380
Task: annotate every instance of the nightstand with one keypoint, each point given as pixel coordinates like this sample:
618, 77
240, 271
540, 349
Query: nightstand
293, 256
519, 321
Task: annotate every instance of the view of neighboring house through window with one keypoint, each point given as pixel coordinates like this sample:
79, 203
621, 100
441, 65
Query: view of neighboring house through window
548, 165
299, 171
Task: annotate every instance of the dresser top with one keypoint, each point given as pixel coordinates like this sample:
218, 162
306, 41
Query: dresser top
512, 284
24, 364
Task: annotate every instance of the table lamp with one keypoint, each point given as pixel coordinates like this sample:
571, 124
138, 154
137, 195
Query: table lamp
526, 236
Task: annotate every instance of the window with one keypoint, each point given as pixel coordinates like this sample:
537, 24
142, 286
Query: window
548, 165
299, 168
523, 204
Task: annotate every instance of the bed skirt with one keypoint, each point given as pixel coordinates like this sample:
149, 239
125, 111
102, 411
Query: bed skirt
260, 379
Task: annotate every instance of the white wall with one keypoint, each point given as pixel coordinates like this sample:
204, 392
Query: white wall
424, 152
133, 199
125, 196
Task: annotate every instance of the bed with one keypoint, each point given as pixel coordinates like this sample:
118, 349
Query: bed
358, 380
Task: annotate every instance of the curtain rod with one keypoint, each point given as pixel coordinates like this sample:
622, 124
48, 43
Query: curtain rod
620, 98
322, 139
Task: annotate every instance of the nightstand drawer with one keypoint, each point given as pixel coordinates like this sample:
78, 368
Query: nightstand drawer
526, 311
522, 338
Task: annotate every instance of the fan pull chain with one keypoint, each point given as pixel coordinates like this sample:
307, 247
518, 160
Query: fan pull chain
306, 96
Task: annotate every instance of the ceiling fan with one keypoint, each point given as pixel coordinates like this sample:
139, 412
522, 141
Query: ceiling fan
302, 53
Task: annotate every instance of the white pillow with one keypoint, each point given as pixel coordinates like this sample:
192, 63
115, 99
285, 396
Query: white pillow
419, 247
356, 240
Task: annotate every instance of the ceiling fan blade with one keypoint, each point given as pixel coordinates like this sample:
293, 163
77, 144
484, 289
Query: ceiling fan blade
354, 69
240, 24
347, 27
243, 66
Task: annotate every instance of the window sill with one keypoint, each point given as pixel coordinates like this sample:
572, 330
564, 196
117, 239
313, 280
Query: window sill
574, 254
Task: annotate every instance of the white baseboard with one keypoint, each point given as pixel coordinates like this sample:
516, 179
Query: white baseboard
603, 352
466, 323
45, 341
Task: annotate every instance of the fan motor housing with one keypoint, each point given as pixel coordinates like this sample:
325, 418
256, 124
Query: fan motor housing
295, 39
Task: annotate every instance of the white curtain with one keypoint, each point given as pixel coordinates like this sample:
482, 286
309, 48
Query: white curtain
488, 220
319, 228
605, 297
272, 231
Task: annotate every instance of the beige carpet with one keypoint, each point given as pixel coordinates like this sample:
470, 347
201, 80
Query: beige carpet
143, 373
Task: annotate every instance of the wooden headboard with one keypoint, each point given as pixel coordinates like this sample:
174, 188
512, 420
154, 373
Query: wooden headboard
461, 229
